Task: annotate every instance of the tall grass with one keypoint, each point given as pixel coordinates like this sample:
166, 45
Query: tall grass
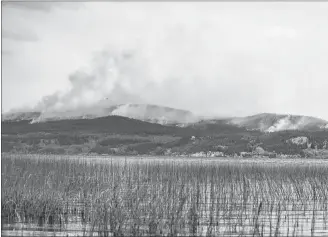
141, 198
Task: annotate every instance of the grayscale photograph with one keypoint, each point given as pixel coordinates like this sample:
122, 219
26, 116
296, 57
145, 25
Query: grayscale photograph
139, 118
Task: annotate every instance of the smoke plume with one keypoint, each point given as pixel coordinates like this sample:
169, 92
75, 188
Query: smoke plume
108, 81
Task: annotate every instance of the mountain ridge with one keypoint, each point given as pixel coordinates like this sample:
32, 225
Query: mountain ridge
144, 112
270, 122
121, 135
265, 122
117, 135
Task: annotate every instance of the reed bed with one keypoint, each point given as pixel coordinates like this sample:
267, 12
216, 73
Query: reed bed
126, 197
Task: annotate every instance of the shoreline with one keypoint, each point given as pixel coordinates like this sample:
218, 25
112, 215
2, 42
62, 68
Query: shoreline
152, 157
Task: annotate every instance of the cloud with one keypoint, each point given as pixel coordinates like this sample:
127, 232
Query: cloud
28, 36
45, 6
6, 52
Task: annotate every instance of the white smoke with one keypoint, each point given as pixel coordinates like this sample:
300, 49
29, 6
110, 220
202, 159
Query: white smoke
324, 126
282, 124
108, 81
287, 123
158, 114
130, 76
113, 78
131, 111
299, 140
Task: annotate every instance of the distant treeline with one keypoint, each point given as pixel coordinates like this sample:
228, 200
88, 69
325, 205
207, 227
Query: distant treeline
120, 135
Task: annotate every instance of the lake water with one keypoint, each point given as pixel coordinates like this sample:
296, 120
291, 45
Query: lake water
293, 221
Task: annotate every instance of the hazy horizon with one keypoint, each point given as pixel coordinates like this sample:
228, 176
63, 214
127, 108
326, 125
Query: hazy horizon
213, 58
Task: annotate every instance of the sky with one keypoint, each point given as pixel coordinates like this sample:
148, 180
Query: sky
213, 58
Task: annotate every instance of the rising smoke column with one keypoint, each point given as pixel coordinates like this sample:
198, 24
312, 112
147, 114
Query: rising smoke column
109, 80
